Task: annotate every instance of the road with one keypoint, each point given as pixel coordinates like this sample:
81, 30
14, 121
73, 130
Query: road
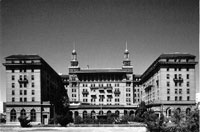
73, 129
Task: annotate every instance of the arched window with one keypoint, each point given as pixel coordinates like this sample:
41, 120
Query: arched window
23, 113
13, 115
131, 112
33, 115
178, 110
117, 113
125, 112
101, 112
168, 112
109, 113
188, 111
84, 114
93, 114
76, 113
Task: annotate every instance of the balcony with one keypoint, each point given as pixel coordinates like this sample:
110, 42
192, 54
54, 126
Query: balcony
85, 92
94, 96
117, 92
147, 88
23, 81
178, 79
93, 87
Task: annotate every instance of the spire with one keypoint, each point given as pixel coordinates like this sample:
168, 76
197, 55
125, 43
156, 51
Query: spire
74, 50
126, 50
126, 61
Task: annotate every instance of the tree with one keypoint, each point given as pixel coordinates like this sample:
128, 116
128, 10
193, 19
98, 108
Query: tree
192, 121
24, 121
140, 112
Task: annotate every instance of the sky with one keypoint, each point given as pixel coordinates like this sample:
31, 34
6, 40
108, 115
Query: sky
99, 29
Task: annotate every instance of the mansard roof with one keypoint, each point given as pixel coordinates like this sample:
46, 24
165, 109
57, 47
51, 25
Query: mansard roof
107, 70
20, 56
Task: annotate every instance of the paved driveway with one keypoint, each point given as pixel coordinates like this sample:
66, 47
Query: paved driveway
73, 129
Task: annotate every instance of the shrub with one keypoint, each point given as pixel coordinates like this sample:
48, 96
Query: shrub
63, 120
24, 121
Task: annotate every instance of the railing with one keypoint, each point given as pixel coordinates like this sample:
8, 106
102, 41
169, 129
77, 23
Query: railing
117, 92
23, 81
85, 92
148, 87
178, 79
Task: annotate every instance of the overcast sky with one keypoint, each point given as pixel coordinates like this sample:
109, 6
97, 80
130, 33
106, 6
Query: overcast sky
100, 29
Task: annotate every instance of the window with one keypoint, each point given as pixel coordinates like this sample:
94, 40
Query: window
73, 90
188, 84
13, 77
32, 77
20, 100
20, 85
179, 76
180, 84
128, 89
25, 99
168, 84
33, 115
176, 84
167, 69
25, 92
32, 70
175, 69
13, 85
13, 115
188, 98
128, 95
73, 95
128, 100
33, 99
33, 92
179, 69
187, 69
180, 98
188, 76
117, 100
13, 92
188, 91
25, 77
32, 85
176, 91
167, 76
23, 113
13, 99
20, 92
175, 76
168, 98
20, 77
180, 91
168, 91
175, 98
25, 85
13, 70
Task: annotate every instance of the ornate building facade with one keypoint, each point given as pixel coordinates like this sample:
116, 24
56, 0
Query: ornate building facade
169, 83
31, 88
101, 91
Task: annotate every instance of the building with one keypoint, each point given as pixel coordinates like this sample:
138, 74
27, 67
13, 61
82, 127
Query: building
101, 91
32, 88
169, 83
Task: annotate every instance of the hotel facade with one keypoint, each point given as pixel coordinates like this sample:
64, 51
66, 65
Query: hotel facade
168, 84
32, 87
